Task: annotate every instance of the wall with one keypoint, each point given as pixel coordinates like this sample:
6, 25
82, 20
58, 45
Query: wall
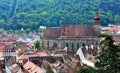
71, 44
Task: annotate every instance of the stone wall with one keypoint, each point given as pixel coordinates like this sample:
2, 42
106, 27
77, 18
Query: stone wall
50, 44
74, 44
71, 44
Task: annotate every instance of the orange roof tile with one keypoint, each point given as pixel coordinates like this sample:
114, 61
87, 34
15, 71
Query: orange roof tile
60, 52
2, 46
77, 30
32, 68
52, 32
35, 54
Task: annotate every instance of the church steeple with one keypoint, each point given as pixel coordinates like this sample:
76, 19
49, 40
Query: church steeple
97, 18
97, 24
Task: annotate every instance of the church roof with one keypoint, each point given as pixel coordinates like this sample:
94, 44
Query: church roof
77, 30
52, 32
70, 31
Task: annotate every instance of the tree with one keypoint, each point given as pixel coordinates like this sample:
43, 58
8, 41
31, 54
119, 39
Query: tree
17, 14
108, 59
49, 70
37, 44
86, 69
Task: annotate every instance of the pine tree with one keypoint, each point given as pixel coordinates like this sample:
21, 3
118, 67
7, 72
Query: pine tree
108, 58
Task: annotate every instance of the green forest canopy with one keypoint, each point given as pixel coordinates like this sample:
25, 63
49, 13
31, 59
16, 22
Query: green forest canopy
17, 14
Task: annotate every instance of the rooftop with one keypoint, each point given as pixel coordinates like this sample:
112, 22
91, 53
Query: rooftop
71, 31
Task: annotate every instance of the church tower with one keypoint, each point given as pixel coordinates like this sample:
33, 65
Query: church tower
97, 24
97, 19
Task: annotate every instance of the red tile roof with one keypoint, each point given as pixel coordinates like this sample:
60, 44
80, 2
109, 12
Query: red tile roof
36, 54
60, 52
52, 32
1, 71
32, 68
14, 68
114, 28
2, 46
77, 30
30, 46
70, 31
90, 50
84, 51
95, 51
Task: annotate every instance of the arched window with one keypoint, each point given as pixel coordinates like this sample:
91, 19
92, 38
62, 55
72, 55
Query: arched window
66, 44
83, 44
78, 45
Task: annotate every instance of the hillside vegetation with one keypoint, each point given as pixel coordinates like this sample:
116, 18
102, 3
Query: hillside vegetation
30, 14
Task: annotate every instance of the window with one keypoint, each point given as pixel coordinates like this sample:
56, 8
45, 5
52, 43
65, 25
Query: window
83, 44
48, 44
66, 44
78, 46
87, 42
92, 41
96, 43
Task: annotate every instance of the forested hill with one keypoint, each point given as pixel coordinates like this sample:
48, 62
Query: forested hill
15, 14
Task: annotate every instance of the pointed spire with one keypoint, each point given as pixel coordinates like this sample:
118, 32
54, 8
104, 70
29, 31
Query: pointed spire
97, 18
97, 15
